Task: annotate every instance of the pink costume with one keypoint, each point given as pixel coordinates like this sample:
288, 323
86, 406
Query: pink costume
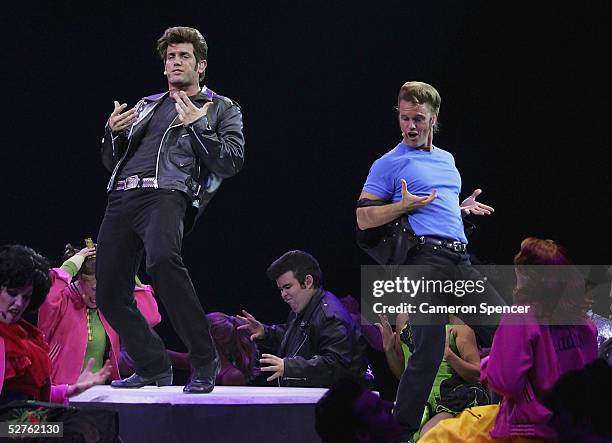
525, 361
63, 320
27, 365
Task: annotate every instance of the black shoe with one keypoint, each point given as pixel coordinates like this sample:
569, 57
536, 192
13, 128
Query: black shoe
138, 381
203, 379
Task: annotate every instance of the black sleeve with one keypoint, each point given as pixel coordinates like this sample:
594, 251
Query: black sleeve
220, 150
273, 335
113, 147
334, 351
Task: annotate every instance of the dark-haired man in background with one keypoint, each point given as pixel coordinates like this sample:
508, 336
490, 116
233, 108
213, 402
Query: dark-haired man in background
167, 156
320, 343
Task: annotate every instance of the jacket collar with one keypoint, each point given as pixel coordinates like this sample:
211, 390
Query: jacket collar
307, 312
301, 320
204, 94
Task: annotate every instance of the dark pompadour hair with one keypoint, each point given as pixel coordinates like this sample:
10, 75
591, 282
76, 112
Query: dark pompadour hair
183, 34
301, 263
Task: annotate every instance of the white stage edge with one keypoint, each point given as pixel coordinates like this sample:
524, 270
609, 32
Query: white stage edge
228, 414
221, 395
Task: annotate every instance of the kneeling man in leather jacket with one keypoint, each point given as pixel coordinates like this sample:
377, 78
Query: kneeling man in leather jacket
320, 343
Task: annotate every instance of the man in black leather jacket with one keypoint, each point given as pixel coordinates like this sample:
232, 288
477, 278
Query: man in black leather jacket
167, 156
320, 343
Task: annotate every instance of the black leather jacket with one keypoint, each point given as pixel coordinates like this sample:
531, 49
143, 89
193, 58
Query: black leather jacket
320, 345
193, 159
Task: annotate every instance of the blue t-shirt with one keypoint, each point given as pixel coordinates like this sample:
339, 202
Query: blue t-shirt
423, 171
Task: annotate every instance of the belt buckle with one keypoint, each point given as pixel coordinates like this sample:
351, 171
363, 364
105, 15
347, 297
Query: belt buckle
457, 246
131, 182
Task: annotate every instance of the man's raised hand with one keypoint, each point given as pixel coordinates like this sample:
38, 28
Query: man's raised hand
121, 119
187, 111
411, 202
471, 206
252, 325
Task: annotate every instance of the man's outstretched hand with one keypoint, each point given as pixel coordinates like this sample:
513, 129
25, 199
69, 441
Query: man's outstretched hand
121, 119
276, 365
410, 202
252, 325
471, 206
187, 111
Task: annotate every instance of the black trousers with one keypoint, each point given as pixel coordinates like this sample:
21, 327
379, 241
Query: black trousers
149, 220
428, 330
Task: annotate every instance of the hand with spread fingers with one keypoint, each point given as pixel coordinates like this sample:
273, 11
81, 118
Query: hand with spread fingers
410, 202
87, 379
252, 325
187, 111
276, 365
121, 119
471, 206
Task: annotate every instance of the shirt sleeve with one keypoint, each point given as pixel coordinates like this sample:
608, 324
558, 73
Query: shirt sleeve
71, 267
59, 394
379, 181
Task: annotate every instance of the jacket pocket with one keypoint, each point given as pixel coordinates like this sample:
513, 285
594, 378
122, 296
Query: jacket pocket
181, 159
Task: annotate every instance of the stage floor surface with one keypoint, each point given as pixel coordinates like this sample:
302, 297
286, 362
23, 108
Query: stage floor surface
228, 414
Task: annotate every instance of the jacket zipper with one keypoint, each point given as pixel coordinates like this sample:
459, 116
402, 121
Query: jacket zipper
155, 182
294, 354
300, 346
199, 141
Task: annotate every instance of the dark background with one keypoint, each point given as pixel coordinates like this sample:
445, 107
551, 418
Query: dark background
523, 87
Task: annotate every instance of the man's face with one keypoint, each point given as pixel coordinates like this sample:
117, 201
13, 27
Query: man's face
87, 285
295, 295
13, 302
416, 122
182, 70
376, 415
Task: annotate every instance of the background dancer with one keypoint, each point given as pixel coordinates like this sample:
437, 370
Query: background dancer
73, 326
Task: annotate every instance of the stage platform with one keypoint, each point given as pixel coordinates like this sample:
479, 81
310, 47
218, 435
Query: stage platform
228, 414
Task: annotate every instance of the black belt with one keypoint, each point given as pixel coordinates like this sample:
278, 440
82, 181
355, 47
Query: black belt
456, 246
133, 182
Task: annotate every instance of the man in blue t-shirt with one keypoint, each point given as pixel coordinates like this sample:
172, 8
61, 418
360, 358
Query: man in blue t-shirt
420, 180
